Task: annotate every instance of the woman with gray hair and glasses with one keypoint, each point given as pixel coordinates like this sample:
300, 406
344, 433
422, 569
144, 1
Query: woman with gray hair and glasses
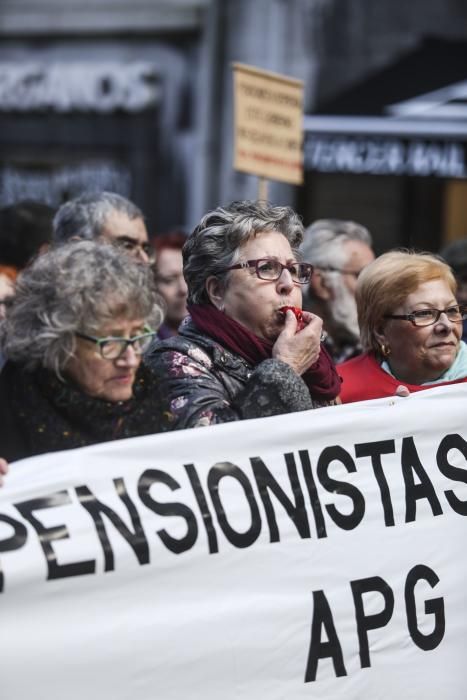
74, 334
246, 350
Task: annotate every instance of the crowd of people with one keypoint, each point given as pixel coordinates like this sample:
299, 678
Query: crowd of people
107, 334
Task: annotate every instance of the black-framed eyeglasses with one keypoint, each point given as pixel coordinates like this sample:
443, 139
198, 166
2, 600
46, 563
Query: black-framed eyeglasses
112, 348
270, 269
428, 317
342, 271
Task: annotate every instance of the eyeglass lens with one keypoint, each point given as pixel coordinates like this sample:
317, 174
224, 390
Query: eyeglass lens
114, 348
272, 270
426, 317
132, 247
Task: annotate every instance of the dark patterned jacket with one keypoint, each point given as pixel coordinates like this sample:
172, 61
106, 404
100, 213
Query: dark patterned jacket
203, 383
39, 413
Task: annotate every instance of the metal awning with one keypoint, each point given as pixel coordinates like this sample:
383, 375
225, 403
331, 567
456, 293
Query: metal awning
408, 119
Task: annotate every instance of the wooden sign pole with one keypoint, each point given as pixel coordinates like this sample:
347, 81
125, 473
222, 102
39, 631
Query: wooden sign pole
263, 189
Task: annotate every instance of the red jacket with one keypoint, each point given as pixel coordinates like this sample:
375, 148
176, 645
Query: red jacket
363, 378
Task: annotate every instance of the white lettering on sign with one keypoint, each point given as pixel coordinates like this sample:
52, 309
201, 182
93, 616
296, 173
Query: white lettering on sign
385, 157
84, 87
55, 186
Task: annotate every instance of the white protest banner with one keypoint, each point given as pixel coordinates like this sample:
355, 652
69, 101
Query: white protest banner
268, 124
316, 555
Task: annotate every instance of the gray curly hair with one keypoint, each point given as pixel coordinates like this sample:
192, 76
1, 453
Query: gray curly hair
85, 216
215, 243
74, 288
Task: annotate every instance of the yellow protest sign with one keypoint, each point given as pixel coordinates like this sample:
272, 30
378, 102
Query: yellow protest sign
268, 115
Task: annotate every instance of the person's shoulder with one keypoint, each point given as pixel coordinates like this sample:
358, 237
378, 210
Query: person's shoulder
188, 338
179, 350
362, 378
356, 363
174, 342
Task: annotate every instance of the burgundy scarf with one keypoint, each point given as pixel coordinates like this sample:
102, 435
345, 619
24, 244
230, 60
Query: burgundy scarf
321, 378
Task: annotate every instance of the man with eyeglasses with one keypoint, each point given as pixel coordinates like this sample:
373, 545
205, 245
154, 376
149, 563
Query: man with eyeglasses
106, 216
338, 250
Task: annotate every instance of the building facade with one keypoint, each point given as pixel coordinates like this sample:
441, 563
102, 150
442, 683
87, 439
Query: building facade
137, 98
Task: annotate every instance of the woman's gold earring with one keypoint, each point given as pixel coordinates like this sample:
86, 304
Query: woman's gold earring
385, 350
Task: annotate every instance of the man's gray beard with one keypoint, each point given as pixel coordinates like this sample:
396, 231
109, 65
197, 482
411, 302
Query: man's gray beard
343, 309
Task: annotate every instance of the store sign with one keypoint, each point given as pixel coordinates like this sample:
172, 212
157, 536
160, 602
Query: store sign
78, 87
380, 156
54, 186
268, 124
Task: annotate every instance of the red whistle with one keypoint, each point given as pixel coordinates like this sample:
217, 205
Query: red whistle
298, 315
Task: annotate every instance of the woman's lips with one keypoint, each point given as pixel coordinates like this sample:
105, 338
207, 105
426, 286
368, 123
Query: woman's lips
123, 379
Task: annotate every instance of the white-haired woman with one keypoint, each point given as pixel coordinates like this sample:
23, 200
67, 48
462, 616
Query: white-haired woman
81, 317
244, 353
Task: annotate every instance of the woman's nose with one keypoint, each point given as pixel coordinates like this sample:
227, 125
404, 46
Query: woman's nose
285, 281
444, 322
129, 358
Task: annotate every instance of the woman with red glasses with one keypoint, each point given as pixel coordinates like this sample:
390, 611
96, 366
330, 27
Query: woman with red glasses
410, 326
246, 350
